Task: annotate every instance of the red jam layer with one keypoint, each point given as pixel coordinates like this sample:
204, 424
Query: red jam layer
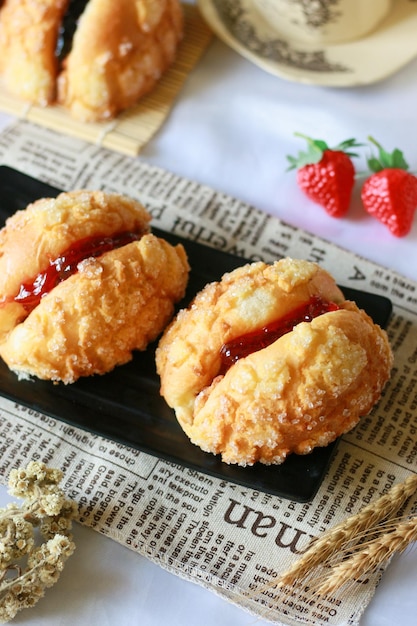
244, 345
31, 292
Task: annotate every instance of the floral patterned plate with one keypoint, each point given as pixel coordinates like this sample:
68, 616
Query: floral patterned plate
366, 60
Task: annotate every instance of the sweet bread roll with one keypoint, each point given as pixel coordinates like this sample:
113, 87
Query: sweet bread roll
269, 361
83, 283
28, 36
120, 50
96, 57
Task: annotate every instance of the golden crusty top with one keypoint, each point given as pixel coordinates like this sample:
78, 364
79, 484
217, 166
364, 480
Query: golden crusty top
248, 298
303, 390
31, 238
120, 49
93, 320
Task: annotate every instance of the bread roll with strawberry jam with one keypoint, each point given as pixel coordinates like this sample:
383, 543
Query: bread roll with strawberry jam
271, 360
95, 57
83, 283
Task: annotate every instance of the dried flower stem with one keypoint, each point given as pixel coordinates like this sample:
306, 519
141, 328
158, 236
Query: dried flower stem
322, 548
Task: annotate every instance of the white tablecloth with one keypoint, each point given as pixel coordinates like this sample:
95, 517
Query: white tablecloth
231, 128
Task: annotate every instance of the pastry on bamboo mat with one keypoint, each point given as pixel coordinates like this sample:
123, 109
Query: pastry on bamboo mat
133, 128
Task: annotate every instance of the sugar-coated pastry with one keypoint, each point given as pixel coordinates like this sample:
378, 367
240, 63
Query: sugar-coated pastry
95, 57
271, 360
28, 35
83, 283
114, 62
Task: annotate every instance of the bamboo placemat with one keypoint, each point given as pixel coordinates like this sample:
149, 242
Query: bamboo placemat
133, 128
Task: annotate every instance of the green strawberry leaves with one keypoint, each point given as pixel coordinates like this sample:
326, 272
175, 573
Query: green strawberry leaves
386, 160
315, 150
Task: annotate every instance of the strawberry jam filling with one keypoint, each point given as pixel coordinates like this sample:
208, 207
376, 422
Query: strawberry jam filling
244, 345
62, 267
68, 26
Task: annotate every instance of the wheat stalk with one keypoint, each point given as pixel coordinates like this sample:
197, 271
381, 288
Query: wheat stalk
332, 541
368, 558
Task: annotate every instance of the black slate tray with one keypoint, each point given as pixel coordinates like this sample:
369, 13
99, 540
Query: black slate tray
125, 405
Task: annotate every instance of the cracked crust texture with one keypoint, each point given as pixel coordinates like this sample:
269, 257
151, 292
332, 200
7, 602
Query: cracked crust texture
304, 390
28, 36
119, 52
114, 304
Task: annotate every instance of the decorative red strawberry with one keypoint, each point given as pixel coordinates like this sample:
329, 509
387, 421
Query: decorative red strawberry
390, 194
326, 175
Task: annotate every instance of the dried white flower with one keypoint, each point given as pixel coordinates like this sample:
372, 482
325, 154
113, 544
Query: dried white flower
29, 563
